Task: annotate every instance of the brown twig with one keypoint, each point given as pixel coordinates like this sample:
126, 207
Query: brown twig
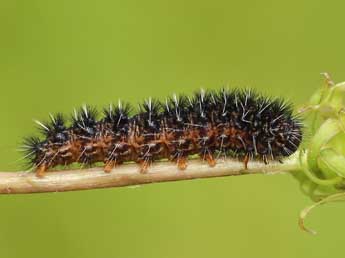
127, 175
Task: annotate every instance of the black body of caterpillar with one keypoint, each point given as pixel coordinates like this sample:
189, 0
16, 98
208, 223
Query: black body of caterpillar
212, 124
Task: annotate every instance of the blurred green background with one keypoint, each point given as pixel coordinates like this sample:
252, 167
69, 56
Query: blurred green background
56, 55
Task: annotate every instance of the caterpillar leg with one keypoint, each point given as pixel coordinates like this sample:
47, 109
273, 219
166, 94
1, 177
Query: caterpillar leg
144, 165
109, 165
41, 170
182, 163
210, 160
245, 161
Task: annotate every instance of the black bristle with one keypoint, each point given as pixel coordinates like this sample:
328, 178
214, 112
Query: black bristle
175, 111
118, 116
149, 116
33, 150
84, 121
57, 132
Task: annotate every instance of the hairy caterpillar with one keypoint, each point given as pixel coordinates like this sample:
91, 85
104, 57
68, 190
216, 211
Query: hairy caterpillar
211, 124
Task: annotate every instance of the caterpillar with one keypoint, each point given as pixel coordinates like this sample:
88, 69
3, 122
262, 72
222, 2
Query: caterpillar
234, 123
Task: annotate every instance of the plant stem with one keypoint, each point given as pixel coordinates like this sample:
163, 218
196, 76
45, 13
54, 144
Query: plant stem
128, 174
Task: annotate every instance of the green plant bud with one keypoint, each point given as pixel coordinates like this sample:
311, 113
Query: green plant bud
329, 129
331, 162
